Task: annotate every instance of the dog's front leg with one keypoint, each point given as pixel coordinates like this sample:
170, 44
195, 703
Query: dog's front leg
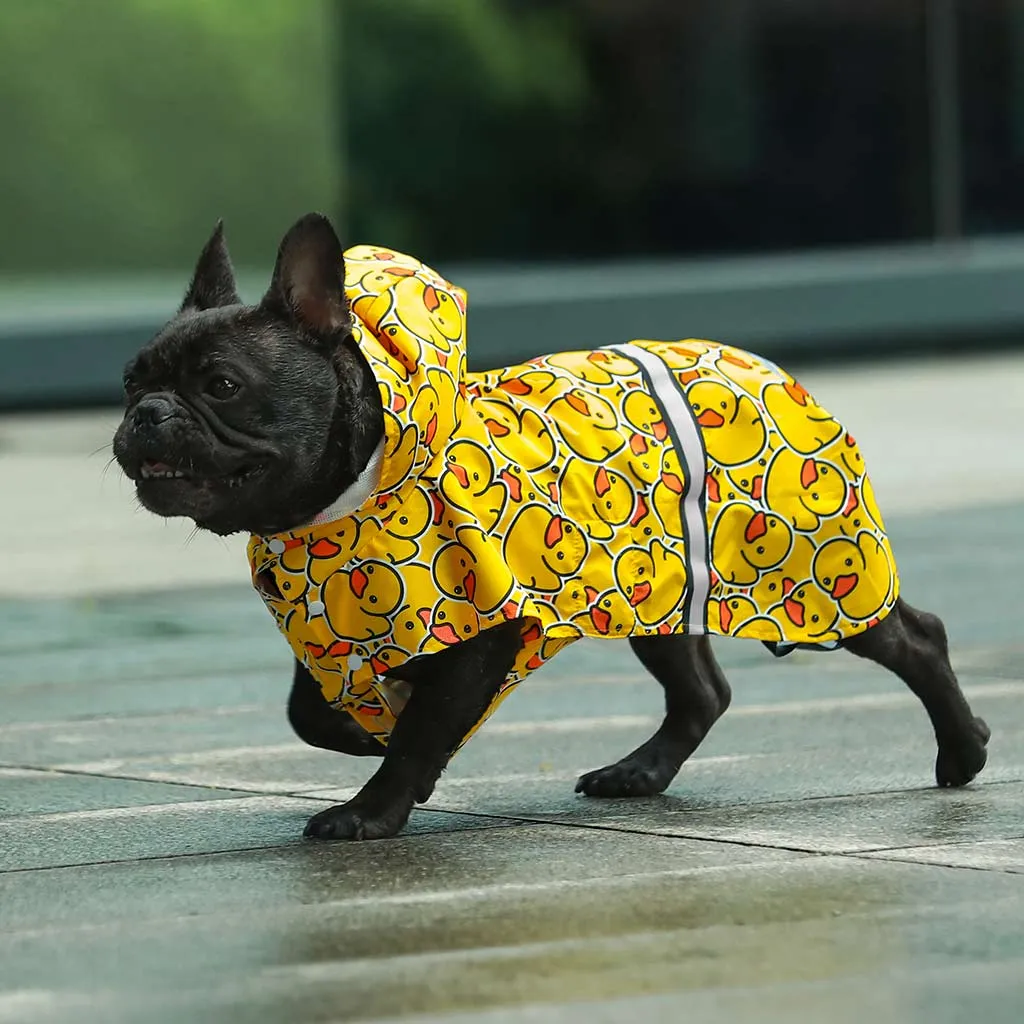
320, 725
450, 692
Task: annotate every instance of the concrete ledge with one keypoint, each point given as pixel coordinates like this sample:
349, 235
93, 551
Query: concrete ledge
64, 343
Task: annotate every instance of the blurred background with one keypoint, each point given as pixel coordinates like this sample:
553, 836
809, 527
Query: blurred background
833, 183
809, 176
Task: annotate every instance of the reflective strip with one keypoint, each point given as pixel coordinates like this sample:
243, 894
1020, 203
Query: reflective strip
689, 446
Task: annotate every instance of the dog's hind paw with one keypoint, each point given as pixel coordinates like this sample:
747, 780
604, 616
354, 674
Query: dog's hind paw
962, 757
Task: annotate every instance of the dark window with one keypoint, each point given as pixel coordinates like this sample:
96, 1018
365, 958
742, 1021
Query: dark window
991, 34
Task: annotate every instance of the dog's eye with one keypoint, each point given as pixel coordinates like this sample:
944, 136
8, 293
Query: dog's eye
221, 388
131, 387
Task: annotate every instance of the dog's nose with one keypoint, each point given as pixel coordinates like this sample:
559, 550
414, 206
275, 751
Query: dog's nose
153, 410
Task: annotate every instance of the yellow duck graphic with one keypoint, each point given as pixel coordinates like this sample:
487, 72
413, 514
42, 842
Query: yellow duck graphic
668, 493
588, 424
804, 424
429, 312
385, 658
683, 356
466, 569
734, 432
290, 577
645, 467
417, 512
543, 549
856, 574
749, 374
844, 451
761, 627
605, 498
598, 367
745, 543
803, 489
776, 584
807, 608
436, 405
609, 614
728, 614
522, 437
400, 451
468, 483
748, 481
642, 413
363, 600
450, 621
867, 493
738, 616
407, 621
652, 581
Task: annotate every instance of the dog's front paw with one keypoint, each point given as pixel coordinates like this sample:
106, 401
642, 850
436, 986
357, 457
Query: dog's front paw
963, 756
359, 819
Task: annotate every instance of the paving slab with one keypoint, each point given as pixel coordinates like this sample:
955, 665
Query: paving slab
126, 833
970, 852
44, 791
847, 824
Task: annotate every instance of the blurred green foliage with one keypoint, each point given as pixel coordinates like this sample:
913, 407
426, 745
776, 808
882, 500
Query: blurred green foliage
473, 105
130, 126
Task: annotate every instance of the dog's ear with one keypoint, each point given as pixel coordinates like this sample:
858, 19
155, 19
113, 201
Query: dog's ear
308, 286
213, 283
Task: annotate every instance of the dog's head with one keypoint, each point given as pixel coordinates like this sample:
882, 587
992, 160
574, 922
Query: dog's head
252, 417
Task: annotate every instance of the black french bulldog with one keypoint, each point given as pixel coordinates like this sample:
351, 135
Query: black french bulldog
254, 418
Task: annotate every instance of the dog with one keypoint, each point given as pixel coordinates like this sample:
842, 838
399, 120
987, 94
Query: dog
426, 537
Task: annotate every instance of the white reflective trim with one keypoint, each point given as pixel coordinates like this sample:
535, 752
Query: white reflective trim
690, 449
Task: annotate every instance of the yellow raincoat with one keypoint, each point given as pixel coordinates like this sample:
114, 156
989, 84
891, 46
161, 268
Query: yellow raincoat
650, 487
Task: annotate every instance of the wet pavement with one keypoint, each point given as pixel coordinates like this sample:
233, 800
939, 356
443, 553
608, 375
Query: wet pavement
802, 866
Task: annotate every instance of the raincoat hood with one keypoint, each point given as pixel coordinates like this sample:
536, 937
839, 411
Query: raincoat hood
410, 325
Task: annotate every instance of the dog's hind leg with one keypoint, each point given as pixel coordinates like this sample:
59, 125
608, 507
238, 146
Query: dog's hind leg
696, 695
913, 645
